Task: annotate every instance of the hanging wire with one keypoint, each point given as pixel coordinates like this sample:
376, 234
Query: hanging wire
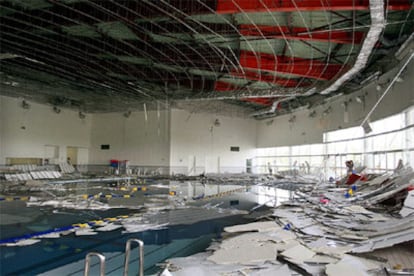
387, 89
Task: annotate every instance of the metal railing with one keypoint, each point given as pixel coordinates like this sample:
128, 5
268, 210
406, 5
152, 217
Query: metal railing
128, 254
126, 262
88, 263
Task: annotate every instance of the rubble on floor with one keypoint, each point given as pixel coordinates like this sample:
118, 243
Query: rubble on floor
326, 230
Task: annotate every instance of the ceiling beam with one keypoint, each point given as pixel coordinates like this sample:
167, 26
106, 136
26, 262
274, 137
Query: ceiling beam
257, 76
308, 68
301, 33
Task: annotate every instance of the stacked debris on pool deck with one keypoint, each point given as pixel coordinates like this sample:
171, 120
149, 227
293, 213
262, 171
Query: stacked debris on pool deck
322, 231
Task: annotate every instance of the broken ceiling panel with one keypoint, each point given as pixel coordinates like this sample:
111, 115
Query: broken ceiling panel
82, 30
32, 4
261, 18
116, 30
180, 44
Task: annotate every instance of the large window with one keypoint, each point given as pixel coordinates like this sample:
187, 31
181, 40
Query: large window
391, 140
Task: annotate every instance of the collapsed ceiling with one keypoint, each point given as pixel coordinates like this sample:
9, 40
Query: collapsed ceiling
264, 57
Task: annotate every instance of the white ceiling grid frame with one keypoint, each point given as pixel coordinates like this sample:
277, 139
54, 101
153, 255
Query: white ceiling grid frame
218, 50
130, 45
255, 25
281, 31
172, 45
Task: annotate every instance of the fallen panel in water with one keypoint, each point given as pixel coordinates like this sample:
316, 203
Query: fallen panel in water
109, 227
49, 236
85, 232
23, 242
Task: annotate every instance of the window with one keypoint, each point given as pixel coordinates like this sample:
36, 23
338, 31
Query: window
392, 139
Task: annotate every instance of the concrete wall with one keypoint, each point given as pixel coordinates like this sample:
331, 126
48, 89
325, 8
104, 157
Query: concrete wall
144, 142
305, 130
196, 140
33, 132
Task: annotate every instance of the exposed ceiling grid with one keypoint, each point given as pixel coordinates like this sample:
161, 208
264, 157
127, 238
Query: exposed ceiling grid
116, 55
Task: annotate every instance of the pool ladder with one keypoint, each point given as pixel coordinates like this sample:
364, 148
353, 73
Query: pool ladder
101, 258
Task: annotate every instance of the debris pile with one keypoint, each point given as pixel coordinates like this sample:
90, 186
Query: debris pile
322, 231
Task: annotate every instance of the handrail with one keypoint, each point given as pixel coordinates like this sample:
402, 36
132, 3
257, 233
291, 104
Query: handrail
128, 254
88, 261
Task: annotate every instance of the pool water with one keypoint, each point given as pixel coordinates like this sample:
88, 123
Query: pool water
190, 230
49, 254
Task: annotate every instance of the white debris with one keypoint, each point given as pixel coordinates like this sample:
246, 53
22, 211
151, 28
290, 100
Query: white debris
265, 226
298, 253
85, 232
23, 242
408, 208
351, 265
246, 253
109, 227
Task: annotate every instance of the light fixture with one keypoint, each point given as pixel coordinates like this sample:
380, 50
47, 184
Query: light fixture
360, 99
366, 127
11, 83
56, 109
127, 114
313, 114
217, 123
378, 87
399, 79
346, 114
25, 105
327, 111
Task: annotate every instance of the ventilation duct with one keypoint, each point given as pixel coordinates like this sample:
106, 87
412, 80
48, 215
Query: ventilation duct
376, 8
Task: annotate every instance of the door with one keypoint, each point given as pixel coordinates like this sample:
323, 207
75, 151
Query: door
72, 155
248, 165
212, 164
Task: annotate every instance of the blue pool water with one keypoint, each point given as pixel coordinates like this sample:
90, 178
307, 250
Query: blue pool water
65, 255
49, 254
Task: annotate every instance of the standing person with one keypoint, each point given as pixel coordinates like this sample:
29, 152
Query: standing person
350, 167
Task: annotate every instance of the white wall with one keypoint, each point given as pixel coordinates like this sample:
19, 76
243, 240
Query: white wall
178, 137
26, 132
196, 135
305, 130
140, 141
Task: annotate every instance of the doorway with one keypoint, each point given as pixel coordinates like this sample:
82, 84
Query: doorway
72, 155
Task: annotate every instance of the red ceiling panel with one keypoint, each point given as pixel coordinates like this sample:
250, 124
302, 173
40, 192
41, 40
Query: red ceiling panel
307, 68
300, 33
234, 6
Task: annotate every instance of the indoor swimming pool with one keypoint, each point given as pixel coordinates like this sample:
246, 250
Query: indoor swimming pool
42, 236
